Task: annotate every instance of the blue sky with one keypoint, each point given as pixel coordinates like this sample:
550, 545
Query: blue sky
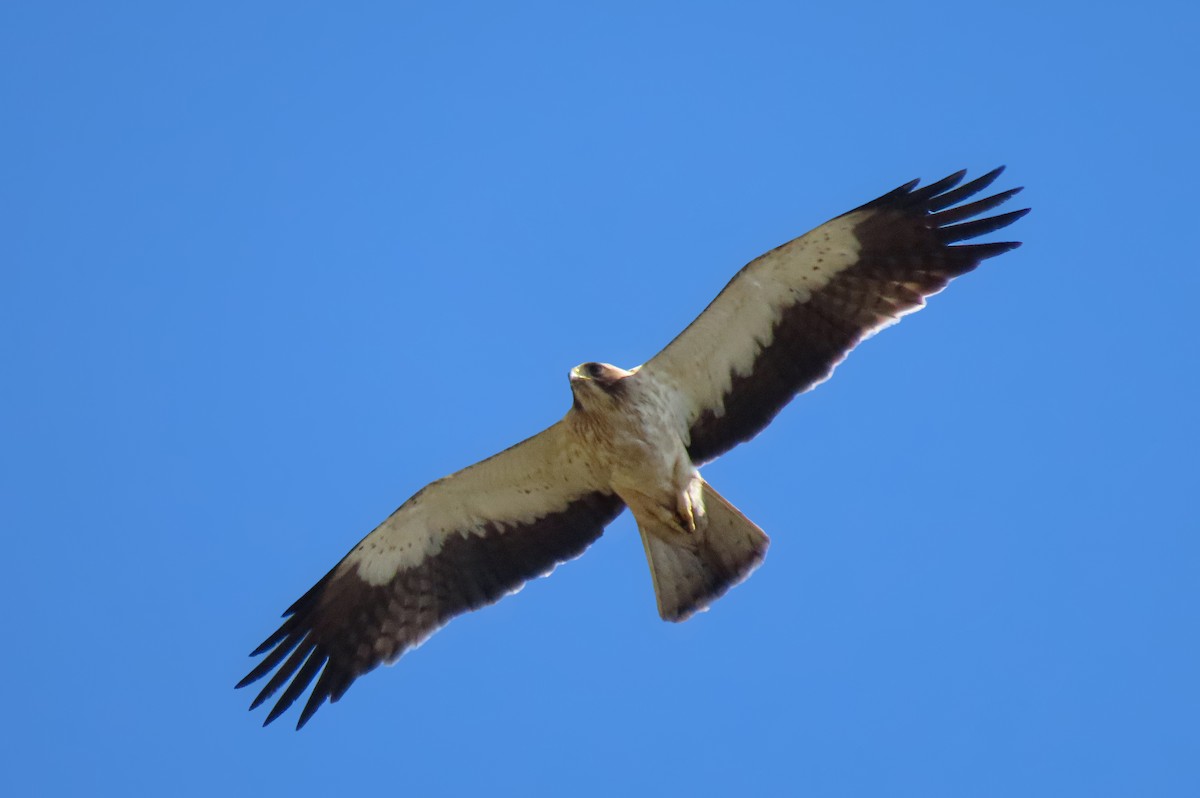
268, 269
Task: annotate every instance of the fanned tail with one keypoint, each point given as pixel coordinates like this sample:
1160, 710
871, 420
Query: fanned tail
692, 571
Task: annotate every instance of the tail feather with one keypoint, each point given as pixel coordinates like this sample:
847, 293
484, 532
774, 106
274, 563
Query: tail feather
690, 572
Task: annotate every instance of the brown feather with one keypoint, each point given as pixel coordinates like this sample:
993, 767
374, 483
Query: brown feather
904, 257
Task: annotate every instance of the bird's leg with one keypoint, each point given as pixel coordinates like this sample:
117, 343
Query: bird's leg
689, 505
678, 519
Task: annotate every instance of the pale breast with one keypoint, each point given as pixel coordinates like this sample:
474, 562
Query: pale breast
637, 441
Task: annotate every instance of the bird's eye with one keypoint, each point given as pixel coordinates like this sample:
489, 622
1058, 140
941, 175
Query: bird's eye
594, 370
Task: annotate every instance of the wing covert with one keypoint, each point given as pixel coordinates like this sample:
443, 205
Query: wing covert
460, 543
786, 320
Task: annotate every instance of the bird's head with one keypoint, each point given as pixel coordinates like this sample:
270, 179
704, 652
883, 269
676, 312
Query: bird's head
592, 383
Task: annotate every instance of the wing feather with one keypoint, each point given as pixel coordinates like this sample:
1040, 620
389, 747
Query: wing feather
460, 543
790, 316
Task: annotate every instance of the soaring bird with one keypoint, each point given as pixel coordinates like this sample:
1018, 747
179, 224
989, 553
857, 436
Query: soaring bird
634, 438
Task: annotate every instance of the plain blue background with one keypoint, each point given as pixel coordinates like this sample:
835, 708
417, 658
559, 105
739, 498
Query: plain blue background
267, 269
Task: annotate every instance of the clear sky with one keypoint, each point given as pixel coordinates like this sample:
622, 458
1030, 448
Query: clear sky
268, 269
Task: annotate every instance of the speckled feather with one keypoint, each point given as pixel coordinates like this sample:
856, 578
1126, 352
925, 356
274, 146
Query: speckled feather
344, 626
788, 318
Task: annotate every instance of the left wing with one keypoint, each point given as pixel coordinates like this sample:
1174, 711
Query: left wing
788, 318
458, 544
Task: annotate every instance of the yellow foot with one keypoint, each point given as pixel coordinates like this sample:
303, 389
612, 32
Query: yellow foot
689, 506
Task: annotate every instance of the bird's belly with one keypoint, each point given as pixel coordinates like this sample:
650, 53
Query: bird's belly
648, 462
637, 445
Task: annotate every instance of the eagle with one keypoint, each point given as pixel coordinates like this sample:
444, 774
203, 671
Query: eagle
635, 438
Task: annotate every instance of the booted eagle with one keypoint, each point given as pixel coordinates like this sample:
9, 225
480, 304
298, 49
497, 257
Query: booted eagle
634, 439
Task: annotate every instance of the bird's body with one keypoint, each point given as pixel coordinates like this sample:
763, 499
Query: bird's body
630, 435
635, 438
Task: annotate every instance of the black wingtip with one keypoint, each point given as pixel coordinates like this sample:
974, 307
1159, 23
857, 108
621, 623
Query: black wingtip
314, 661
281, 706
921, 195
310, 709
986, 179
264, 646
283, 631
936, 196
979, 227
981, 252
260, 699
944, 199
894, 195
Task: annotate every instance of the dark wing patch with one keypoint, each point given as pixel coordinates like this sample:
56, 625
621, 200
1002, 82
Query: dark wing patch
344, 627
905, 256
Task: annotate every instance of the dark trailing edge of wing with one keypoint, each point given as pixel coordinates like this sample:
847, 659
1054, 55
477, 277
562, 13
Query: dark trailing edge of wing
905, 256
344, 627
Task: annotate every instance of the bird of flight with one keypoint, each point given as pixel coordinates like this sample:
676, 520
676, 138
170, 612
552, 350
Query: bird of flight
635, 439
